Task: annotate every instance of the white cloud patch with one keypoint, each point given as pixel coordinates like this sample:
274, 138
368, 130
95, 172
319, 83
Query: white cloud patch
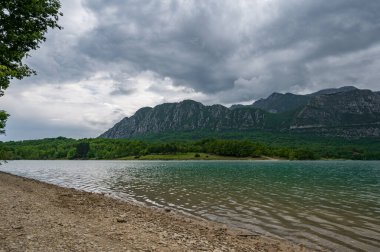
89, 106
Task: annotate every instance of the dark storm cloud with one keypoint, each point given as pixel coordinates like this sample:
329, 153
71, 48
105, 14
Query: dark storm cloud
181, 48
208, 46
335, 28
324, 23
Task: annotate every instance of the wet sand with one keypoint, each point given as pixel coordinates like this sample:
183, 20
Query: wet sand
36, 216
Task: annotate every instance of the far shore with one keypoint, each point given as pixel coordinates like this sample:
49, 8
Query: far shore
37, 216
194, 156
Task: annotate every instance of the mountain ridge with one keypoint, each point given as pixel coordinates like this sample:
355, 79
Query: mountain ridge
345, 111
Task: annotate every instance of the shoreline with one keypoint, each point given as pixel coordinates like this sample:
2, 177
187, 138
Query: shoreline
39, 216
195, 156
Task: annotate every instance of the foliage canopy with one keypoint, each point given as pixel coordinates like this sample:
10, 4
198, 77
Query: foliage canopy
23, 25
297, 147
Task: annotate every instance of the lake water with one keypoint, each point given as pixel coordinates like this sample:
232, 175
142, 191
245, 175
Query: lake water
322, 204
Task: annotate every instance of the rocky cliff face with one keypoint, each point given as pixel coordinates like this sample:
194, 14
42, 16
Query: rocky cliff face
184, 116
356, 107
340, 112
355, 113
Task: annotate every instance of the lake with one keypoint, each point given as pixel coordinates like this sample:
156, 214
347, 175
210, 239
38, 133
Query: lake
322, 204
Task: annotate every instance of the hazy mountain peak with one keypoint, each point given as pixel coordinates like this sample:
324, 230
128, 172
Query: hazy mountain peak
278, 102
334, 90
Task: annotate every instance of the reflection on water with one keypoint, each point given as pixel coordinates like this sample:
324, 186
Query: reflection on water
325, 204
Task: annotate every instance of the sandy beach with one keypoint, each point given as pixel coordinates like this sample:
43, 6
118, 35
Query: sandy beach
36, 216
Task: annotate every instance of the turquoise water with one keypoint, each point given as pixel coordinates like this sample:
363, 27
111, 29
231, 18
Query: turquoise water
322, 204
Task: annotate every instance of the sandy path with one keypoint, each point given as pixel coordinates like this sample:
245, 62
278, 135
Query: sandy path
36, 216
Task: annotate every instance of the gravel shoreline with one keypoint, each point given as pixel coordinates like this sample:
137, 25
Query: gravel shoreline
36, 216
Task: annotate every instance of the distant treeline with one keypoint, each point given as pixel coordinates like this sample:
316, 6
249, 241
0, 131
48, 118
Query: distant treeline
65, 148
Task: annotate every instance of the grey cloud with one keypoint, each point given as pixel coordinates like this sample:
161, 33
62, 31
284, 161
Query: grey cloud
210, 45
24, 129
323, 23
183, 49
119, 89
197, 48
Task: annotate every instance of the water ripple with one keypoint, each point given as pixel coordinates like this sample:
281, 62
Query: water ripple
327, 204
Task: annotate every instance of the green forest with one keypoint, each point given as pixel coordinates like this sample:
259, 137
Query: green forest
186, 145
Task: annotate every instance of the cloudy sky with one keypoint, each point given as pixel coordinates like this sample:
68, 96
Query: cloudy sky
113, 57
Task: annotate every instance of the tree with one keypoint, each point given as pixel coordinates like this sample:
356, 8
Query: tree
82, 150
23, 25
